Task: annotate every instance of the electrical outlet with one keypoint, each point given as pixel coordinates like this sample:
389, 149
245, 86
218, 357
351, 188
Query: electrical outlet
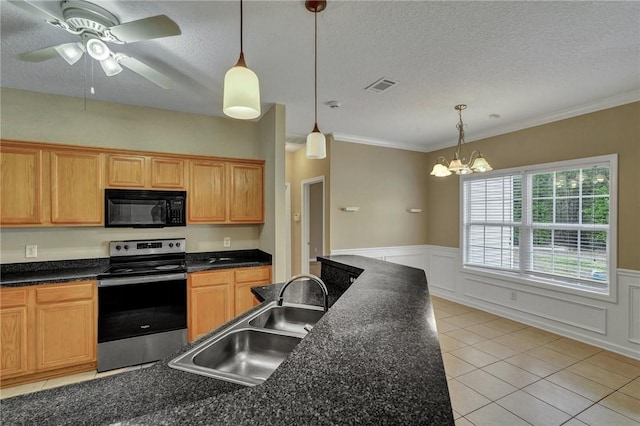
514, 295
227, 242
31, 251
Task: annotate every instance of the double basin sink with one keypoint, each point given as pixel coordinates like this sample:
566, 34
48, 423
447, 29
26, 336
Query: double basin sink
249, 351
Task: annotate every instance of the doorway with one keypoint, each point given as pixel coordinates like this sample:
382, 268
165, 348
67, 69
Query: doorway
313, 232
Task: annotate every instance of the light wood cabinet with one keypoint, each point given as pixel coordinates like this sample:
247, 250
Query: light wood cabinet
246, 197
206, 196
215, 297
21, 185
167, 173
76, 188
48, 331
65, 325
210, 301
127, 171
13, 329
244, 279
63, 185
139, 171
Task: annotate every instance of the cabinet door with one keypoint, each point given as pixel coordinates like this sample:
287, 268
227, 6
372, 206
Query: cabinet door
13, 333
167, 173
76, 188
66, 325
126, 171
245, 279
21, 186
210, 302
207, 203
246, 199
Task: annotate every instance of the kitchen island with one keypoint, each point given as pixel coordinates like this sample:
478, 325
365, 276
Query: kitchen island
374, 358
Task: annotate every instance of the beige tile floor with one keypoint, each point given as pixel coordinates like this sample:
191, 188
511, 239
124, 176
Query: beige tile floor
501, 372
61, 381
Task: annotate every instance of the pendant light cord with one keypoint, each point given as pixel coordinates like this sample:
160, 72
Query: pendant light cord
241, 50
315, 72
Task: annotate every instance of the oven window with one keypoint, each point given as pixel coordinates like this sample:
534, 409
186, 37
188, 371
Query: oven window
137, 212
139, 309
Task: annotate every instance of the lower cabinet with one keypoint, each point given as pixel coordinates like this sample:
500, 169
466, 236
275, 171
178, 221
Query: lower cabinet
47, 330
244, 279
209, 301
215, 297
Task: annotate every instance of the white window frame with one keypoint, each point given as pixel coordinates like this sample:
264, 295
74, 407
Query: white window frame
610, 294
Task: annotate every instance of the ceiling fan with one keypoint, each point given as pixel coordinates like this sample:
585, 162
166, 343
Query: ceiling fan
96, 27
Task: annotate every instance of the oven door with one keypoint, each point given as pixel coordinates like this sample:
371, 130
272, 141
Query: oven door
143, 305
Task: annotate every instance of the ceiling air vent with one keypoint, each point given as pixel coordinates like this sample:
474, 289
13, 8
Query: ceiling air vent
381, 85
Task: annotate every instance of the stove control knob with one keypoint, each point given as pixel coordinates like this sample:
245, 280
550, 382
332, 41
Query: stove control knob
118, 247
170, 244
126, 247
177, 244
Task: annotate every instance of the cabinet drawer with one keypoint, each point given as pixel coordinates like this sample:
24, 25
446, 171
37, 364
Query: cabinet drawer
252, 275
202, 279
13, 297
67, 292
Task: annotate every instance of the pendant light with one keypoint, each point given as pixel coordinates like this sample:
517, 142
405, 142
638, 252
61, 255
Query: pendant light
241, 97
316, 141
459, 164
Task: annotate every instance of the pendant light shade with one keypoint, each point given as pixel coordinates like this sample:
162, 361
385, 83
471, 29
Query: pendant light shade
316, 145
316, 141
241, 92
241, 97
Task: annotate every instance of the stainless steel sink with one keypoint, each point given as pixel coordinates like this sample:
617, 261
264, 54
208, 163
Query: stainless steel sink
250, 350
293, 319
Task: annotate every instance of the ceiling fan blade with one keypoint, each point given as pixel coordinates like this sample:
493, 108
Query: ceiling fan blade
40, 55
146, 29
35, 10
144, 70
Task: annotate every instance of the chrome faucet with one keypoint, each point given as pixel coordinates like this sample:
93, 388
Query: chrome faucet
313, 278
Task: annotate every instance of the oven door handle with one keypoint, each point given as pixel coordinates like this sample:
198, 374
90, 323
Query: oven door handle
112, 282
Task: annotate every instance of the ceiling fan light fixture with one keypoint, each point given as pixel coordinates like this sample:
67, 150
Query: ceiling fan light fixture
70, 52
110, 66
97, 49
241, 98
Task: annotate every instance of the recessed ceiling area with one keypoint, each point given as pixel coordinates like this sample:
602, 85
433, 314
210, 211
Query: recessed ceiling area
526, 62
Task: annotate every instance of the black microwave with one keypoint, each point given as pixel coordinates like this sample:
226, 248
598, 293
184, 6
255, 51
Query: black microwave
133, 208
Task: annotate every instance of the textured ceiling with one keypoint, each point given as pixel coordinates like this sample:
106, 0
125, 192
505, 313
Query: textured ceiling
528, 62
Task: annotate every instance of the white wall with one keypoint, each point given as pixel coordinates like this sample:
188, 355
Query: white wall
611, 325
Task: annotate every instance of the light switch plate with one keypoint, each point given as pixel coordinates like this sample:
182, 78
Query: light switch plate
227, 242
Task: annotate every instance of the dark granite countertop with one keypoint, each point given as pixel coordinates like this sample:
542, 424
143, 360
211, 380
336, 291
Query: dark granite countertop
374, 358
59, 271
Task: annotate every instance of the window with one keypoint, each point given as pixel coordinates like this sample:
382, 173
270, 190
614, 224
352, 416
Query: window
551, 223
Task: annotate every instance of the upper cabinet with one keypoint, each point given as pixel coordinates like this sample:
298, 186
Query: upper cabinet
51, 184
76, 188
139, 171
246, 198
225, 192
207, 193
21, 185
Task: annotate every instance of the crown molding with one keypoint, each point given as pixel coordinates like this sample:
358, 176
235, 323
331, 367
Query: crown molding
599, 105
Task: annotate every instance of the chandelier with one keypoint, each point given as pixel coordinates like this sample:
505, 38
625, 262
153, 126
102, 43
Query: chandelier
460, 165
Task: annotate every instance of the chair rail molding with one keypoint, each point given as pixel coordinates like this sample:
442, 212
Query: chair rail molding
609, 324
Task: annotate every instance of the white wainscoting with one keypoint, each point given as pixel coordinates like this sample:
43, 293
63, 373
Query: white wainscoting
610, 325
